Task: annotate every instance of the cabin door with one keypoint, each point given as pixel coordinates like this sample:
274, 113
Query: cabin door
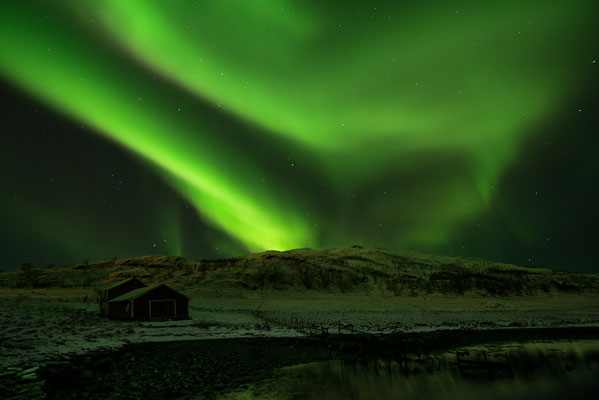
163, 309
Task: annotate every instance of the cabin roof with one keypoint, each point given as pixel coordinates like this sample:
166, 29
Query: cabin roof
135, 293
121, 283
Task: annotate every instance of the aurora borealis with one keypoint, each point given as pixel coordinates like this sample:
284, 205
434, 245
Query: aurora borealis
213, 128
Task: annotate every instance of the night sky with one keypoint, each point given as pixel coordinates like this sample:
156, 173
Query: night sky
210, 129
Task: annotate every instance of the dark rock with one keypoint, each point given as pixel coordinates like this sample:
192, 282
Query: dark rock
102, 365
86, 374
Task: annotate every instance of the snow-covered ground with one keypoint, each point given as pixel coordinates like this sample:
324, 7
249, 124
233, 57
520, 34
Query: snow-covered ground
35, 331
32, 332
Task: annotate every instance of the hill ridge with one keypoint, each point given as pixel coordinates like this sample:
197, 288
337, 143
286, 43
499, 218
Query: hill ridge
352, 269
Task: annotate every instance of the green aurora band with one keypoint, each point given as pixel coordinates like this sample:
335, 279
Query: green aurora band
361, 88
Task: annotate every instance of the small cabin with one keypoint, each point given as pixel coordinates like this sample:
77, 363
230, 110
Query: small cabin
154, 303
117, 290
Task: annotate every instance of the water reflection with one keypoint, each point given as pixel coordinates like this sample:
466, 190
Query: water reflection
530, 371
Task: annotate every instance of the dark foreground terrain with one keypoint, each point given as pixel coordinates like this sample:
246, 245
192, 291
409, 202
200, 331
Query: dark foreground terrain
255, 315
208, 368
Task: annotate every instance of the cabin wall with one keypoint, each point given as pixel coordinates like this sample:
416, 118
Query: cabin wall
142, 304
182, 307
108, 294
141, 308
119, 310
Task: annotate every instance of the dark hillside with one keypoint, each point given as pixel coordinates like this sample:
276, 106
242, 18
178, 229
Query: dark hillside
353, 269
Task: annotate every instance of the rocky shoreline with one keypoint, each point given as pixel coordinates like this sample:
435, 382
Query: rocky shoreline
205, 368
